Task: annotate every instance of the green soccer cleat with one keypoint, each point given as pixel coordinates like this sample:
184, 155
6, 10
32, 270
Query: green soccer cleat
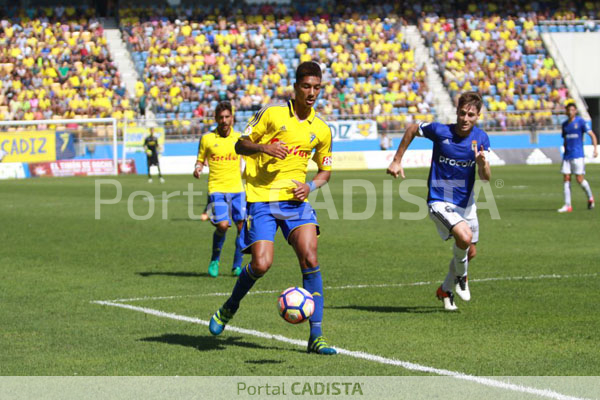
319, 345
219, 320
236, 271
213, 268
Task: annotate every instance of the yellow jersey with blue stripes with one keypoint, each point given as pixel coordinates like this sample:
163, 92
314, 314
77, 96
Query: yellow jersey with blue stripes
269, 178
225, 175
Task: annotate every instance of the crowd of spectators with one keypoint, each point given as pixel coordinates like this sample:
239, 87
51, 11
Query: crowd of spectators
504, 59
54, 64
191, 62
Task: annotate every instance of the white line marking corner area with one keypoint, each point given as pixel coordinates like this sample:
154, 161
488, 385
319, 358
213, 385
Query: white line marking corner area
356, 354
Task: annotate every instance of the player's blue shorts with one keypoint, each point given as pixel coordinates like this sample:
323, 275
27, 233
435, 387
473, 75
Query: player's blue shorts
227, 207
265, 217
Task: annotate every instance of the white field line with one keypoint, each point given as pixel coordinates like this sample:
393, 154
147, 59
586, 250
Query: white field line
383, 285
358, 354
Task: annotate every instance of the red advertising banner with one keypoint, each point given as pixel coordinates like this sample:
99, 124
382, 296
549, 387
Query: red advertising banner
80, 168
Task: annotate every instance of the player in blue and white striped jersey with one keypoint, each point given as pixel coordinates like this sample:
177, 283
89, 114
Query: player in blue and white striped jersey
573, 132
458, 151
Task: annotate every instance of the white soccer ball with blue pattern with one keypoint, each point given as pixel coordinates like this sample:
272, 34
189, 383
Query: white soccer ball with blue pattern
295, 305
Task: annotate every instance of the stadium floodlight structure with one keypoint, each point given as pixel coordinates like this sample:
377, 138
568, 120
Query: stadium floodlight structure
106, 121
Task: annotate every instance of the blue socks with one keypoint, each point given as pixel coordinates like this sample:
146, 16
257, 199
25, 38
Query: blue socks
313, 283
218, 241
243, 285
237, 258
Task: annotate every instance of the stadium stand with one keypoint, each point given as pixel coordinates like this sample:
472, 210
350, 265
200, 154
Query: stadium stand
55, 62
55, 65
188, 64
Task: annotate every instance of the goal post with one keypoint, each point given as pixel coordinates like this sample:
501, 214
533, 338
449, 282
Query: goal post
102, 125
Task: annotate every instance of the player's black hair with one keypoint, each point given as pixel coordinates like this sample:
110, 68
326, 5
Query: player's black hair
570, 104
224, 105
308, 68
472, 99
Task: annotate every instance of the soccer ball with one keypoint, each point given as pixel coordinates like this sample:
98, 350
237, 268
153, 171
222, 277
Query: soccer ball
295, 305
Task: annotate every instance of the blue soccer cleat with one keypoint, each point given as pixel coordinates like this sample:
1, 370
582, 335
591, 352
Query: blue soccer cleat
219, 320
319, 345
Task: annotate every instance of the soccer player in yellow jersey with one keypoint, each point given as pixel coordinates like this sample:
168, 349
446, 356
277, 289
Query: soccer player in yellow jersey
225, 190
278, 143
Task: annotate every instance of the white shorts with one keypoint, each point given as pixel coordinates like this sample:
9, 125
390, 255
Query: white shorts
447, 215
574, 166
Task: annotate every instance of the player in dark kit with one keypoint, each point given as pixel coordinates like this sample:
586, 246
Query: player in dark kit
151, 146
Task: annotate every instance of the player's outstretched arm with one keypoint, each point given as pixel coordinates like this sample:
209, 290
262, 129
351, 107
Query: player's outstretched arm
302, 190
246, 147
594, 142
483, 166
395, 167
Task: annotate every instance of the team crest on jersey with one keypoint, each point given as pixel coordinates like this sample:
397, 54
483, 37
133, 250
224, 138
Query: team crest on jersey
312, 137
575, 126
248, 131
474, 145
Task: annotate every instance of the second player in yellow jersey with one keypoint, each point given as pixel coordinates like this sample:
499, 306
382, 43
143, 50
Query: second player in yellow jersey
226, 199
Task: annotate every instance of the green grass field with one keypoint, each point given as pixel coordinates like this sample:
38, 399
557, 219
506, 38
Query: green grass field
534, 284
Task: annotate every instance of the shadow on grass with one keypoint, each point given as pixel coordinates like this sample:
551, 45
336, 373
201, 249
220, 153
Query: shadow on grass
209, 342
392, 309
263, 362
180, 274
541, 210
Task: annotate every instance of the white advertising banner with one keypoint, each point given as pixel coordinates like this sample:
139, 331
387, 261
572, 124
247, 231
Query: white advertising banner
178, 165
12, 171
353, 130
